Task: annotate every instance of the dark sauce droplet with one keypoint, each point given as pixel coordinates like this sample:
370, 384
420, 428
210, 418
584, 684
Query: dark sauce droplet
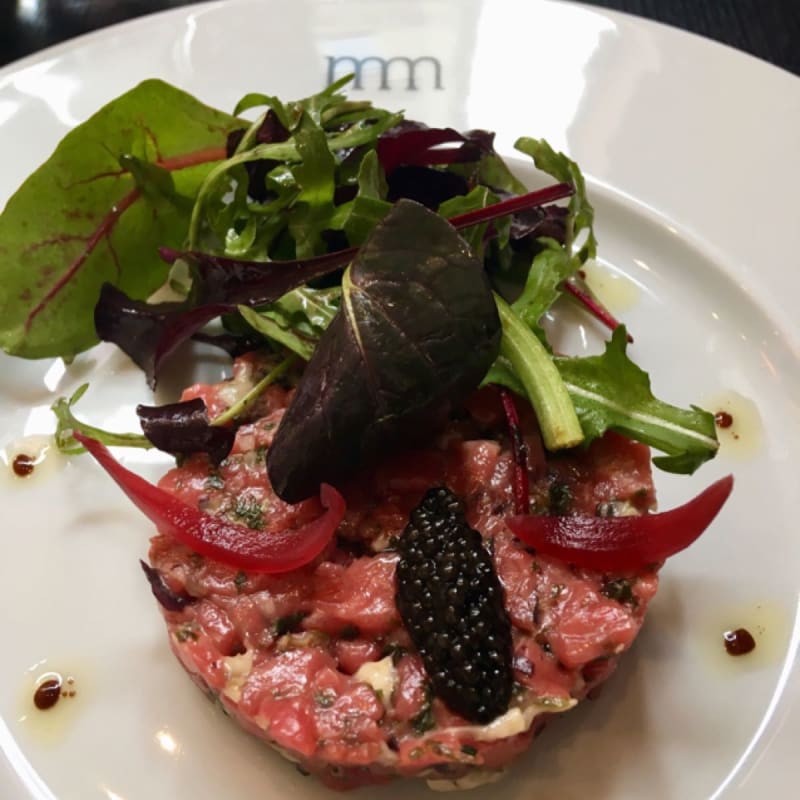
723, 419
23, 465
739, 642
47, 694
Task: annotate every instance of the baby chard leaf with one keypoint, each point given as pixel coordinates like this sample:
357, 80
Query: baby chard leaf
418, 329
115, 188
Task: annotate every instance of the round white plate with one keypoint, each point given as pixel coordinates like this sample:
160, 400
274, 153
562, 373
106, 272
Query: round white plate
691, 150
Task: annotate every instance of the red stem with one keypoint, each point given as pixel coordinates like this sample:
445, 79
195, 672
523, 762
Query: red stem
549, 194
595, 308
110, 220
193, 159
519, 452
102, 230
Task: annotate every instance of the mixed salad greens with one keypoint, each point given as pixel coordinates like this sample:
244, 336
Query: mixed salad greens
406, 264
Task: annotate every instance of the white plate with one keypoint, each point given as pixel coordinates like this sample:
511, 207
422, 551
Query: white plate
691, 149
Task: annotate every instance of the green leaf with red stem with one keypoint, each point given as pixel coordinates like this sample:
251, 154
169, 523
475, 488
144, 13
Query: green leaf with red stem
82, 219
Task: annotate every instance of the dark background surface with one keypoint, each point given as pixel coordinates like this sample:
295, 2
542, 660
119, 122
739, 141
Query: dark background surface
769, 29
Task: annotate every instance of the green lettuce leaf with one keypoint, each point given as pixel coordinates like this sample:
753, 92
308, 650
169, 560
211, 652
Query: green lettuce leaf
611, 393
116, 188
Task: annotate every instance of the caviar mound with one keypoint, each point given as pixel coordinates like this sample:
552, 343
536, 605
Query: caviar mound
318, 663
451, 601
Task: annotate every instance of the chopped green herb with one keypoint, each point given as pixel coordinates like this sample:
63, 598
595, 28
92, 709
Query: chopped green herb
560, 499
186, 632
469, 750
424, 720
249, 511
324, 699
214, 481
620, 590
240, 581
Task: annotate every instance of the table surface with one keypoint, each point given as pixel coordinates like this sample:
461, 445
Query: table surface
768, 29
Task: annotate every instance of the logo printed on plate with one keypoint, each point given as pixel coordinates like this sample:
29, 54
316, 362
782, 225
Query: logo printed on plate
386, 73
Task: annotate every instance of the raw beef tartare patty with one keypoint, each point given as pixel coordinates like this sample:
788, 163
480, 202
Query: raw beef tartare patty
318, 663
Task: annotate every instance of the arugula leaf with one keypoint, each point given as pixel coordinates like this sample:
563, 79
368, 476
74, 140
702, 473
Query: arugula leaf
417, 330
479, 197
257, 99
303, 144
243, 405
611, 392
358, 217
549, 269
297, 320
532, 364
68, 423
84, 218
564, 169
501, 373
314, 175
494, 172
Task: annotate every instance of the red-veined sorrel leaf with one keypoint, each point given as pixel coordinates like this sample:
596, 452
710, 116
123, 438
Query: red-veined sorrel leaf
81, 219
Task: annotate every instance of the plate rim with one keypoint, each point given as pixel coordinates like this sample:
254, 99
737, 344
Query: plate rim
101, 37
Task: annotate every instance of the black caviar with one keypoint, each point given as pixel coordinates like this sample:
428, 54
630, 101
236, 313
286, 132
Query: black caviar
451, 601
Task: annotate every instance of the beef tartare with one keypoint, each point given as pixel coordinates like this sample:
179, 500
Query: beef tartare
318, 662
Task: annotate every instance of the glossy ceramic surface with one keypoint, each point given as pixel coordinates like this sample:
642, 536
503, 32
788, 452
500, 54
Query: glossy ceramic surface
691, 153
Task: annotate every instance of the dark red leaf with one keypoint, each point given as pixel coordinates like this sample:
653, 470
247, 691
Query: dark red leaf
414, 143
426, 185
183, 428
150, 332
169, 600
271, 130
